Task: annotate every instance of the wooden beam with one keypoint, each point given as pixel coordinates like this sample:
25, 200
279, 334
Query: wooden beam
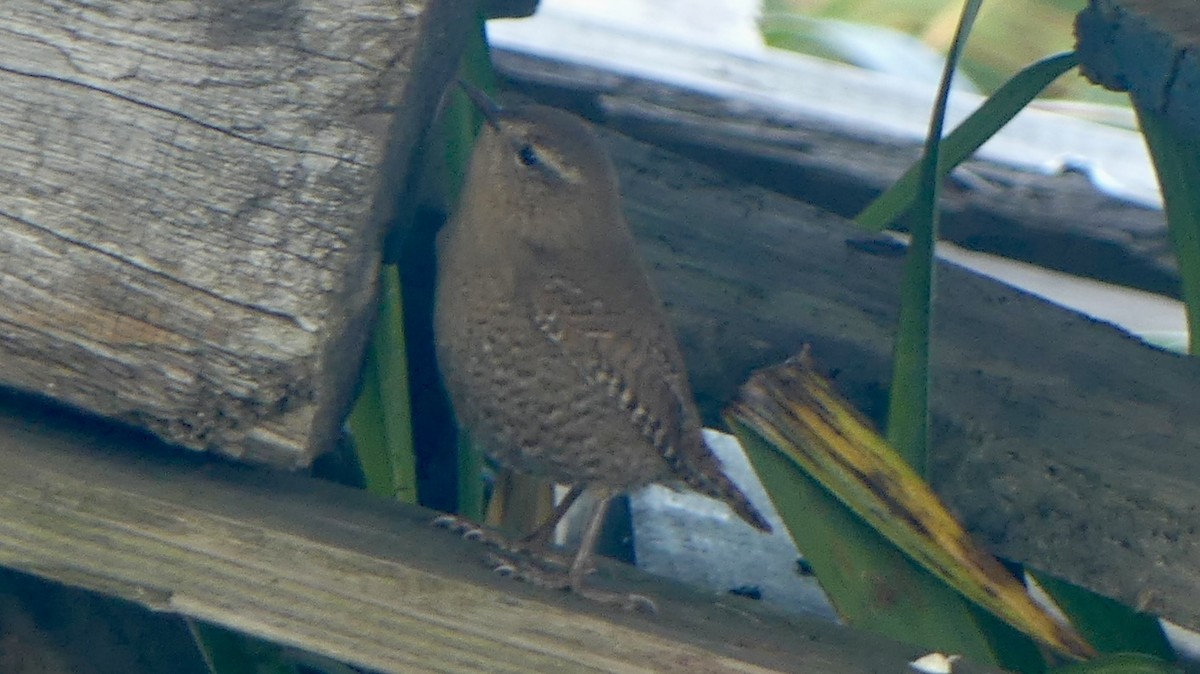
810, 153
1062, 442
333, 571
189, 223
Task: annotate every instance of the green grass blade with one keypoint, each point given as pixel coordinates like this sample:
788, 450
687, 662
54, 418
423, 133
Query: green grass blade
381, 421
1121, 663
908, 405
228, 652
964, 140
1109, 625
470, 479
366, 427
392, 360
1177, 160
460, 121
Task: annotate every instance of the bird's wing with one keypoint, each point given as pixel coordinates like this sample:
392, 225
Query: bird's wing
636, 361
631, 358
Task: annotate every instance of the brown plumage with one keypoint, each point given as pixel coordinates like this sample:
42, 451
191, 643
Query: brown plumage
553, 346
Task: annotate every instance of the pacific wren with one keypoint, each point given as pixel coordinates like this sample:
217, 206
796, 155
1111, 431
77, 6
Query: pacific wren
554, 348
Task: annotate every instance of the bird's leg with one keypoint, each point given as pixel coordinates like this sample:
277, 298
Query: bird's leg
534, 570
541, 537
530, 559
582, 565
587, 543
537, 542
538, 539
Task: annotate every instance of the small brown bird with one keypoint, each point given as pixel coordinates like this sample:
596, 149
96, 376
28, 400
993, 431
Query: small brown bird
554, 348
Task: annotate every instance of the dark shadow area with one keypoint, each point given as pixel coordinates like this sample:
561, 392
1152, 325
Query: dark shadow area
47, 628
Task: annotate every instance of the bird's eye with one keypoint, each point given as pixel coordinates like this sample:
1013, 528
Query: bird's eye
527, 155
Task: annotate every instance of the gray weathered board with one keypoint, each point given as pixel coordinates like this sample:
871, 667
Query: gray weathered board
367, 581
840, 166
189, 223
1062, 442
836, 136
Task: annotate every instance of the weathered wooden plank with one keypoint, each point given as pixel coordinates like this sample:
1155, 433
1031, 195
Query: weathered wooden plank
189, 228
363, 580
1062, 442
840, 166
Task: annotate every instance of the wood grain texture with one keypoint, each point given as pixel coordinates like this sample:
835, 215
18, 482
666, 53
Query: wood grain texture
367, 581
189, 222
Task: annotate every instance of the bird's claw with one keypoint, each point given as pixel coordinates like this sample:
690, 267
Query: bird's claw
526, 571
530, 572
544, 569
470, 531
634, 603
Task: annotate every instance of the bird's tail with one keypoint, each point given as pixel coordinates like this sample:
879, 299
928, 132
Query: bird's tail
710, 479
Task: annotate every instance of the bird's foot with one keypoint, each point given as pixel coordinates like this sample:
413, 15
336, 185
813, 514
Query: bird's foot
521, 561
550, 574
525, 546
535, 572
473, 532
626, 601
459, 525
